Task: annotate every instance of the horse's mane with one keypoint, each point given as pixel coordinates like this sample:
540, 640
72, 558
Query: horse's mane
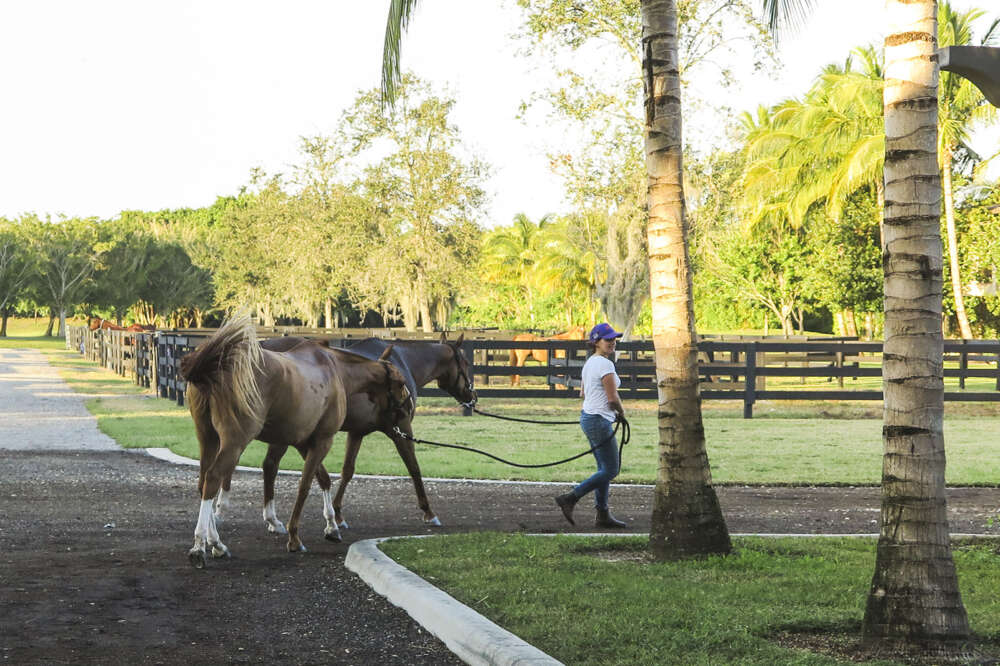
227, 364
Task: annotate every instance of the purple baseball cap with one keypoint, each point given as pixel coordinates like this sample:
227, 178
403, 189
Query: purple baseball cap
603, 331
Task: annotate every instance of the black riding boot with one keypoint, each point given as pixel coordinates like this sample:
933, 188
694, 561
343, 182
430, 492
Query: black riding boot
605, 519
566, 503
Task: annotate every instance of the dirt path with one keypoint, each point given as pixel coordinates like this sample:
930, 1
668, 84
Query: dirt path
38, 410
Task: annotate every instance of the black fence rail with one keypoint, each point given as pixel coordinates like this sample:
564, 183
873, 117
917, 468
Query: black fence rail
739, 370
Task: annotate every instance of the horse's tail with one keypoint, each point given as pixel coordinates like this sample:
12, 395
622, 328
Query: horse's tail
227, 364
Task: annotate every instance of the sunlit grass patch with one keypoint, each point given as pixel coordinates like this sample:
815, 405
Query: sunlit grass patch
604, 601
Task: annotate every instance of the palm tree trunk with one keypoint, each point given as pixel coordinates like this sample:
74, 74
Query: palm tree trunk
914, 595
956, 278
687, 519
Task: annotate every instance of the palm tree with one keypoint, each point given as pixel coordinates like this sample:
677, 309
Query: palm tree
687, 518
960, 105
514, 253
914, 598
823, 147
570, 266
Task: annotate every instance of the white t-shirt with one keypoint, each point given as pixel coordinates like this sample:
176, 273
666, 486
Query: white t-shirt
595, 400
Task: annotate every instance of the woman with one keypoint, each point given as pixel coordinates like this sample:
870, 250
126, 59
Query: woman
601, 408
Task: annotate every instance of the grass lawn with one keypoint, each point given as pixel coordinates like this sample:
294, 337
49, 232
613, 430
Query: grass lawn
30, 333
601, 601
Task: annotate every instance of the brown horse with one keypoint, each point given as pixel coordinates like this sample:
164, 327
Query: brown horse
420, 363
519, 356
237, 391
98, 323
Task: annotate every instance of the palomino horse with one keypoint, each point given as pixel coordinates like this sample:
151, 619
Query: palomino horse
519, 356
420, 363
238, 391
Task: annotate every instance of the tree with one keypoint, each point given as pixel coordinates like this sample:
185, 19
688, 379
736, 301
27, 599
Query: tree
17, 265
570, 266
68, 253
427, 197
914, 598
687, 519
820, 148
914, 594
598, 108
515, 252
250, 241
770, 266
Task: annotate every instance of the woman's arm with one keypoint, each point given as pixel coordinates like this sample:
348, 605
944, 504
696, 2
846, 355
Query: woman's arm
611, 391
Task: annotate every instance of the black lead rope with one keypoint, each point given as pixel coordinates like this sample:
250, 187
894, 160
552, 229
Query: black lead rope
511, 418
621, 424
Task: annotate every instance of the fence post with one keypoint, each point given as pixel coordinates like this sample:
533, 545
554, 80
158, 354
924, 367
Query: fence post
750, 392
963, 365
840, 365
998, 372
469, 351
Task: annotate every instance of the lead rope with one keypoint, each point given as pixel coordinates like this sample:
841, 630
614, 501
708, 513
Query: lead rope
511, 418
621, 424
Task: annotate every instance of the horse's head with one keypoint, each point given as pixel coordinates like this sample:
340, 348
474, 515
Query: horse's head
400, 404
456, 380
95, 323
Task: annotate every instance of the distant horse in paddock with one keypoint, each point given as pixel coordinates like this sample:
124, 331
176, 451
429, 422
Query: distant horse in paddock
238, 391
420, 363
107, 325
519, 356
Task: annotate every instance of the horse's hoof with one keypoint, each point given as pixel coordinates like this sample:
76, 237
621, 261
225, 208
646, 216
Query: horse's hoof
196, 557
220, 552
334, 537
343, 525
433, 522
276, 528
296, 549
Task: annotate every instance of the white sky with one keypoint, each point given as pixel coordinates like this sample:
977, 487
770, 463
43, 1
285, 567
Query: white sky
117, 104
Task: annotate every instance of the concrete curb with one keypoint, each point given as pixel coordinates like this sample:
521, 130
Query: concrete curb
472, 637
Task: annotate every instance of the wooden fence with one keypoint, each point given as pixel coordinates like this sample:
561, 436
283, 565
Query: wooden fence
729, 369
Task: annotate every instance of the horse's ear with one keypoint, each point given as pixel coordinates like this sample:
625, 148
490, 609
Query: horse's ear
386, 354
461, 337
444, 337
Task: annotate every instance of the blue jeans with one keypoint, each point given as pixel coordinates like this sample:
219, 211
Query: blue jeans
600, 433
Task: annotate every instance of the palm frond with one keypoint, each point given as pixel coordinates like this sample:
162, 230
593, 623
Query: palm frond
791, 13
395, 25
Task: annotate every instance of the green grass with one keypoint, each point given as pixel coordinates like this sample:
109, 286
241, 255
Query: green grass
30, 334
601, 601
